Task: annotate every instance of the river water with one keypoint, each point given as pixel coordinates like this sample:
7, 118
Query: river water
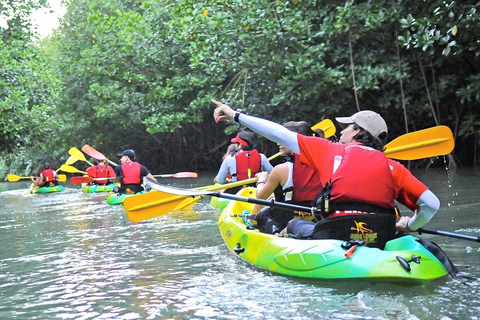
72, 256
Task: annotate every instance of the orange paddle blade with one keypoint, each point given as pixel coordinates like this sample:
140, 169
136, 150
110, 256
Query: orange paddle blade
431, 142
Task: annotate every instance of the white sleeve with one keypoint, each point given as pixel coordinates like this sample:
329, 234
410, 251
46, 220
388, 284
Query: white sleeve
225, 169
271, 130
266, 165
428, 206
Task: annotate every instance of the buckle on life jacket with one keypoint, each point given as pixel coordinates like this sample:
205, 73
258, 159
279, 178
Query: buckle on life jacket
322, 202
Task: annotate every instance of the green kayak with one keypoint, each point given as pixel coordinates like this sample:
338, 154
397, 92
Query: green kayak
327, 259
118, 198
35, 189
98, 188
218, 203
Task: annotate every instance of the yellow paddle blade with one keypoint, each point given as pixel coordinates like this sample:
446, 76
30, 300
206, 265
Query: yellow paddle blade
61, 177
187, 204
70, 169
71, 160
14, 177
327, 126
155, 203
431, 142
79, 155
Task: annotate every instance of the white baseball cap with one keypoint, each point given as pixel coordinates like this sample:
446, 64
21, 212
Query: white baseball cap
368, 120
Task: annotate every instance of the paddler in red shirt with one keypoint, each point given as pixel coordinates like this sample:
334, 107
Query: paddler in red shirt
363, 180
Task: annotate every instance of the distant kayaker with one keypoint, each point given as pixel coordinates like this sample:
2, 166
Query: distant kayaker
131, 173
244, 162
359, 178
101, 169
45, 176
291, 182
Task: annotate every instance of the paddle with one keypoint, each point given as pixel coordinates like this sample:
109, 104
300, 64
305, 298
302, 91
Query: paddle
78, 154
70, 169
177, 175
96, 154
143, 206
449, 234
211, 192
421, 144
14, 177
80, 180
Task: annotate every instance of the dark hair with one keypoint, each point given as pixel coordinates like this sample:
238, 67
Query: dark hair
365, 137
46, 165
303, 128
248, 138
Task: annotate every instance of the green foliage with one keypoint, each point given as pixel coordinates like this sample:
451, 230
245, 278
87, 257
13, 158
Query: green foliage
141, 73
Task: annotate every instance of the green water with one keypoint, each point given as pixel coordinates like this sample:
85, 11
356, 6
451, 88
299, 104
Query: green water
72, 256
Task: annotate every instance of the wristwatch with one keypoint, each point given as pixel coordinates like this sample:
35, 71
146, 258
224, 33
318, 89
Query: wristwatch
237, 114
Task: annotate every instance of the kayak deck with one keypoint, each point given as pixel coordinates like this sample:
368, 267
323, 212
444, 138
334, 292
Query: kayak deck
98, 188
35, 189
326, 259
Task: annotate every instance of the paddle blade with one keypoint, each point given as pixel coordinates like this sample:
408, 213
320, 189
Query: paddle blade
93, 152
14, 177
80, 180
421, 144
150, 204
61, 177
71, 160
96, 154
155, 203
70, 169
327, 126
77, 153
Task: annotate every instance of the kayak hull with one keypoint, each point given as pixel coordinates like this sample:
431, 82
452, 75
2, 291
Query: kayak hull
326, 259
218, 203
42, 190
98, 188
118, 198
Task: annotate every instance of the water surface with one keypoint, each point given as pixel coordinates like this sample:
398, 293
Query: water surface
72, 256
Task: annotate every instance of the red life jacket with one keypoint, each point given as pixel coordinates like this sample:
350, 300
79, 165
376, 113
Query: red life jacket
361, 164
131, 172
306, 181
246, 160
48, 175
99, 171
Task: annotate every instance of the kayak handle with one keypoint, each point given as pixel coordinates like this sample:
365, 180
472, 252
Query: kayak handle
406, 263
238, 249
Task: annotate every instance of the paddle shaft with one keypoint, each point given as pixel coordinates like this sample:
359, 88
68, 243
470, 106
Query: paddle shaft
270, 203
449, 234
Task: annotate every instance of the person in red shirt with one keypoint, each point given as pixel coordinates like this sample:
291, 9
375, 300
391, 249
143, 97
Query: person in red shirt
363, 181
131, 173
101, 169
